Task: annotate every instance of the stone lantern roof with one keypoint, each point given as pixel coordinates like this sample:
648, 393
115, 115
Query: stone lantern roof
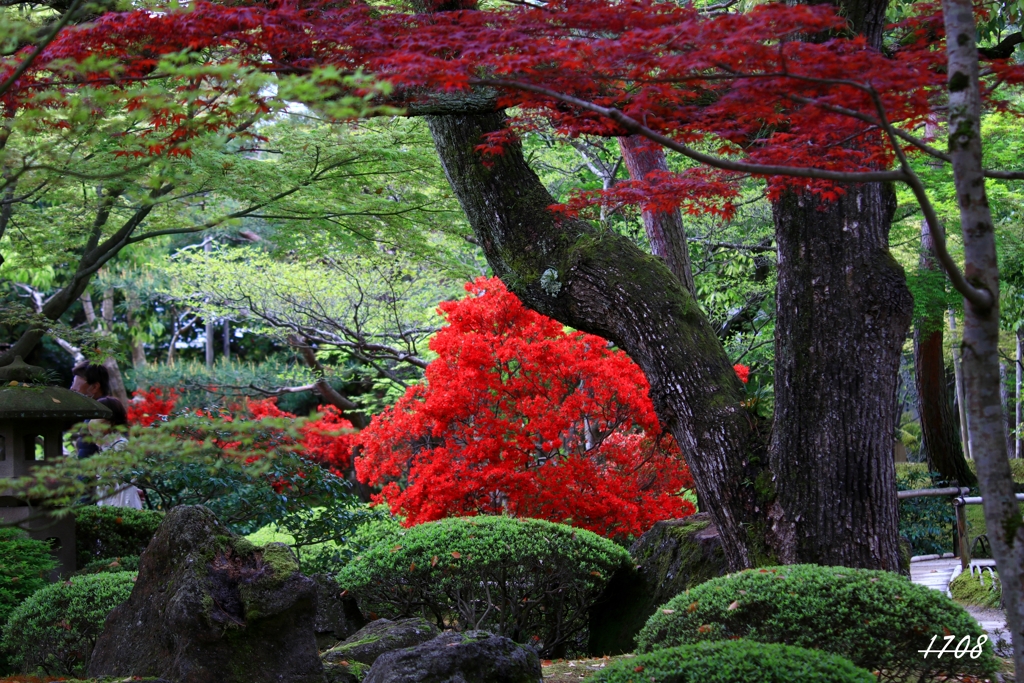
23, 395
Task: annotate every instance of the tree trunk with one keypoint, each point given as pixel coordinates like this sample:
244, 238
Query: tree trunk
1019, 407
597, 281
1008, 415
961, 402
938, 429
843, 311
227, 340
665, 229
1003, 520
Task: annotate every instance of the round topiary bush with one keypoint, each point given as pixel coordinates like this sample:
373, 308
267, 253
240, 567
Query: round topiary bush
734, 661
528, 579
878, 620
105, 531
56, 629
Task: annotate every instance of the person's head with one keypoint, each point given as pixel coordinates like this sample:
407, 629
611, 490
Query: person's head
91, 379
118, 417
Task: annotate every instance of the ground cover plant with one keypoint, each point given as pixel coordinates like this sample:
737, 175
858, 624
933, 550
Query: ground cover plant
528, 579
734, 661
878, 620
54, 631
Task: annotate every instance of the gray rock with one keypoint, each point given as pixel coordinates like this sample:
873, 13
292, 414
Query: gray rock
673, 556
337, 615
380, 636
470, 657
210, 607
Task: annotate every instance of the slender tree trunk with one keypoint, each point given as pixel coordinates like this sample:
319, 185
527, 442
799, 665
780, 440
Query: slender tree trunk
597, 281
1008, 415
961, 402
227, 340
938, 429
665, 229
1003, 520
1019, 407
843, 310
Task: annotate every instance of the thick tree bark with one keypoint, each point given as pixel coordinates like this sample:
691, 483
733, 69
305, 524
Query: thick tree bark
938, 427
1003, 520
597, 281
665, 229
843, 310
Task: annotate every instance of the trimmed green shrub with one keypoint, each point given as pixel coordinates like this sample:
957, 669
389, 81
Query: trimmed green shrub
528, 579
24, 565
926, 522
103, 531
969, 590
56, 629
734, 661
111, 565
876, 619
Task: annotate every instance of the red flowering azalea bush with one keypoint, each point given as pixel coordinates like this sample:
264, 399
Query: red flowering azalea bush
148, 407
518, 416
327, 440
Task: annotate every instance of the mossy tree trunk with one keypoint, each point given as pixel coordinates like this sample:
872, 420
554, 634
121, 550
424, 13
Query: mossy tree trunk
597, 281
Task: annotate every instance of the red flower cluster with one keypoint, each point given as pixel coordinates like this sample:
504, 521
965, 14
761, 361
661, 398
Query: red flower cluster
518, 416
147, 407
743, 372
326, 440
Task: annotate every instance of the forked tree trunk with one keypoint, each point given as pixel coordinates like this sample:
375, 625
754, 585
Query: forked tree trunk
938, 426
597, 281
1003, 520
843, 310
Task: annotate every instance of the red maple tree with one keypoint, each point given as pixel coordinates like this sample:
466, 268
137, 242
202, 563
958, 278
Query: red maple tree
519, 416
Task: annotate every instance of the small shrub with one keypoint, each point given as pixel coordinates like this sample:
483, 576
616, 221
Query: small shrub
734, 661
24, 565
103, 531
111, 565
527, 579
876, 619
926, 522
969, 590
56, 629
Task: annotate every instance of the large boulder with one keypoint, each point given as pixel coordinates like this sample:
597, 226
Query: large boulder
337, 615
674, 556
210, 607
348, 661
473, 656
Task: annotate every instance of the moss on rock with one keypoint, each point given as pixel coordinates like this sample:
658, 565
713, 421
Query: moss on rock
674, 556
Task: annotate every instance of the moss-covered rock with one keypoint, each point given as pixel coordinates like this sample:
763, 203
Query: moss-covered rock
210, 607
450, 657
982, 589
674, 556
380, 636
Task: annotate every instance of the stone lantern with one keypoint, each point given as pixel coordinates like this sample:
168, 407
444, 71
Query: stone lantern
33, 419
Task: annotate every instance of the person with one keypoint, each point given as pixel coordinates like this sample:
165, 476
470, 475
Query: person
109, 435
92, 380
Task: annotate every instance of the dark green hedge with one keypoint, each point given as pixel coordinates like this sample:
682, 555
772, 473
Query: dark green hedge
111, 565
103, 531
54, 631
878, 620
734, 661
531, 580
